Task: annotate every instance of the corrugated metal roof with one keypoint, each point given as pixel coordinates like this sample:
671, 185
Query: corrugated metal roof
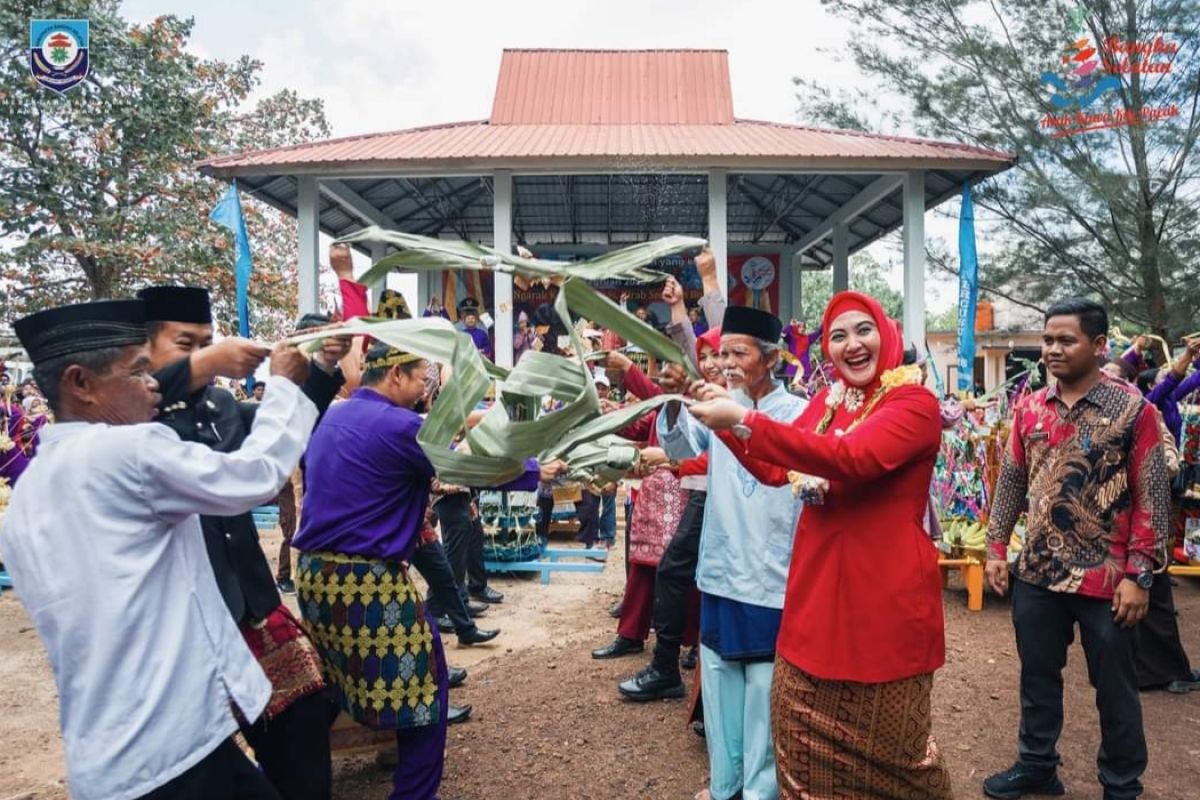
613, 87
621, 145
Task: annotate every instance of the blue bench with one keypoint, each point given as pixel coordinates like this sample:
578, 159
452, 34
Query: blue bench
266, 517
552, 561
5, 581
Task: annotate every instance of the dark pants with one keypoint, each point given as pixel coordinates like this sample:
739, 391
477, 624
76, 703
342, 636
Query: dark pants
1045, 627
444, 597
674, 581
1160, 655
287, 524
422, 751
454, 515
476, 573
588, 511
224, 774
545, 506
293, 748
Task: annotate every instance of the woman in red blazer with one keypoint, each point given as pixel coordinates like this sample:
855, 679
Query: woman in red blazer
862, 629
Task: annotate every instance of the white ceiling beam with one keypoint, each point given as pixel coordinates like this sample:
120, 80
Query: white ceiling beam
865, 199
353, 202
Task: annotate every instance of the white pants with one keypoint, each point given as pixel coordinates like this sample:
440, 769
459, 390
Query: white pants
737, 726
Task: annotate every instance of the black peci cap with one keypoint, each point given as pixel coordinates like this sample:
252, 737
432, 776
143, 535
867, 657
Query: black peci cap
177, 304
81, 327
751, 322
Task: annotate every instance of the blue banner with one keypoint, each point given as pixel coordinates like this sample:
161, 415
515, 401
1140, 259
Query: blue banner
228, 213
968, 291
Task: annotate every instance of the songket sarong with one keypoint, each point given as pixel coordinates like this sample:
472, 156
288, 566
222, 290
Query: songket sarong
287, 656
655, 517
368, 622
837, 740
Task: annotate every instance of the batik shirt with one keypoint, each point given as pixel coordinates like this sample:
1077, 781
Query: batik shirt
1093, 481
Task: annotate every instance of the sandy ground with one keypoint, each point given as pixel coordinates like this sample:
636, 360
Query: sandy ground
548, 722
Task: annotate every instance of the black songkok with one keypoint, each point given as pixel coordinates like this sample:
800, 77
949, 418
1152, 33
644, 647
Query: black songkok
177, 304
751, 322
81, 327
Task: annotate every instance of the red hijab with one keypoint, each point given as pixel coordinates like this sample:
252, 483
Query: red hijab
891, 350
711, 337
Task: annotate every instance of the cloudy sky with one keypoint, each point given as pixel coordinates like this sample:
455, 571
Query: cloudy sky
382, 65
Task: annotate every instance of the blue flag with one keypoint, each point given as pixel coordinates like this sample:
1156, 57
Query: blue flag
228, 213
968, 290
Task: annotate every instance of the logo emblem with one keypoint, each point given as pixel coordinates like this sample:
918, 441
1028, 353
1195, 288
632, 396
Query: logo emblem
58, 52
758, 273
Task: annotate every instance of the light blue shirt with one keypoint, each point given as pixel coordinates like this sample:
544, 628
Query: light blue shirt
746, 539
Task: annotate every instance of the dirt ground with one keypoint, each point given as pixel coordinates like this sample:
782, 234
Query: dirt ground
548, 722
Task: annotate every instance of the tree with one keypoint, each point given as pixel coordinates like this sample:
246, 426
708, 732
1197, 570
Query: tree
1111, 212
101, 194
866, 276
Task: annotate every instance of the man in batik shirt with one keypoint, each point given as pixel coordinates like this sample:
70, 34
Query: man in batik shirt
1085, 462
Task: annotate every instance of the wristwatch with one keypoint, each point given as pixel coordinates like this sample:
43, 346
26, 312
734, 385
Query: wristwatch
1145, 579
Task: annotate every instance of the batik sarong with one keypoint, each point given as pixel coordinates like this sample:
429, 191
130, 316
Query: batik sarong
837, 740
368, 622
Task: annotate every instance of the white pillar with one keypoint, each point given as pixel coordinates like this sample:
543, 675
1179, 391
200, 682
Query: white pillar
914, 258
502, 241
424, 281
718, 235
378, 250
308, 229
797, 289
841, 257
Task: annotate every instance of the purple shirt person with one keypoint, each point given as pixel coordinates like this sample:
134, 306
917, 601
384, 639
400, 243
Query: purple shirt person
18, 440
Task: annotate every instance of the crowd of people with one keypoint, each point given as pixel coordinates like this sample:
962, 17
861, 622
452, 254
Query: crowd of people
764, 493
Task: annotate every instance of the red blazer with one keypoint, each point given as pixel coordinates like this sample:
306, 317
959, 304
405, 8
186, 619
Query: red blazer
864, 595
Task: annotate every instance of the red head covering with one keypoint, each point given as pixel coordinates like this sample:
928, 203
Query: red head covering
891, 350
711, 337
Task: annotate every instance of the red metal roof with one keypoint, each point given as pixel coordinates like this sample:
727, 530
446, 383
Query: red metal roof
614, 110
739, 143
613, 87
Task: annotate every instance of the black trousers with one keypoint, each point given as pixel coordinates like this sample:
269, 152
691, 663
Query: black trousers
477, 578
224, 774
1045, 626
673, 582
1160, 655
293, 748
454, 515
545, 507
588, 511
444, 597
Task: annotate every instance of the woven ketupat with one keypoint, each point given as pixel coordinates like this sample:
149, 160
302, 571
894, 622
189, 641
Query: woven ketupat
368, 622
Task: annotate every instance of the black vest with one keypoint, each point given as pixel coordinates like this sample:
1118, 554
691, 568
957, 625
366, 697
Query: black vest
215, 418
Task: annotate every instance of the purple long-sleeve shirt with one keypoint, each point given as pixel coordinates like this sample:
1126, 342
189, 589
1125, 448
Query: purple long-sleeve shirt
482, 341
1167, 395
367, 481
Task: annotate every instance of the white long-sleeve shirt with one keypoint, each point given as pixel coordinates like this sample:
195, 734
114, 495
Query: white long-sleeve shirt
103, 544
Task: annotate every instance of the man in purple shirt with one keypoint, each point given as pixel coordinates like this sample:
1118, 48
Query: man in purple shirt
367, 482
468, 312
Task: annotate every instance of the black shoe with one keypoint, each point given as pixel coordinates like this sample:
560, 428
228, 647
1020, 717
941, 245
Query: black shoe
689, 658
458, 714
457, 676
488, 595
615, 609
477, 636
477, 609
1185, 686
285, 586
444, 624
698, 729
1020, 780
652, 684
620, 647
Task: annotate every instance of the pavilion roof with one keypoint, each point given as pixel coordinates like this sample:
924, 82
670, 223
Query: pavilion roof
567, 121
